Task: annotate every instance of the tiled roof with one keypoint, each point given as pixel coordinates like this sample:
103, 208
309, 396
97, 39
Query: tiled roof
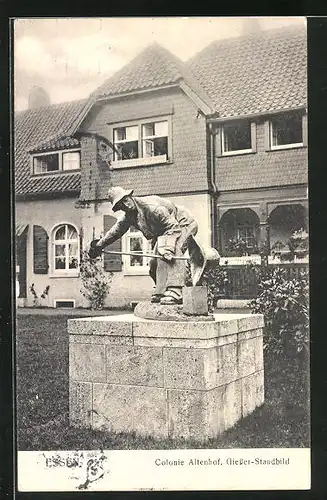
55, 144
153, 67
40, 129
57, 183
239, 76
256, 73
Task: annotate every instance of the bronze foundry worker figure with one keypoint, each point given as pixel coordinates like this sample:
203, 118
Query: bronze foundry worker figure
167, 225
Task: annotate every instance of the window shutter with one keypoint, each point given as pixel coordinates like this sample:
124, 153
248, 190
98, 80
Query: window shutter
40, 250
112, 263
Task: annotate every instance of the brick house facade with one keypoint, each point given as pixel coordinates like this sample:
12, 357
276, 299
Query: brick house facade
261, 193
166, 128
258, 86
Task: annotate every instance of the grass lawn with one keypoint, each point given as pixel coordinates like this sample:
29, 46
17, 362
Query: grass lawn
42, 401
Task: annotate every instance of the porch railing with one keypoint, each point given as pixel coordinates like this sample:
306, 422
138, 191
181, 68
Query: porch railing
242, 280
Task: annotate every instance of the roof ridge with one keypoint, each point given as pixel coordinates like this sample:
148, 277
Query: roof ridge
177, 70
154, 45
60, 136
190, 78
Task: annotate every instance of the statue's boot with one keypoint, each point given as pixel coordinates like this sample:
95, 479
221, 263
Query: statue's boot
156, 297
173, 295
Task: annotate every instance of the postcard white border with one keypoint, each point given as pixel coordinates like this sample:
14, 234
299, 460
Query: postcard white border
141, 470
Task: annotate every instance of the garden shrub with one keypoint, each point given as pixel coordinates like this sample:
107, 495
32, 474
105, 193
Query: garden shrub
214, 278
44, 295
284, 301
95, 282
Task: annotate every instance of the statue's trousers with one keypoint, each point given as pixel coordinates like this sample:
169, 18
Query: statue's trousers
172, 274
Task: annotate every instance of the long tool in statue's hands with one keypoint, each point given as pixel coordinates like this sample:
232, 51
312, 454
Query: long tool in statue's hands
199, 256
95, 251
166, 256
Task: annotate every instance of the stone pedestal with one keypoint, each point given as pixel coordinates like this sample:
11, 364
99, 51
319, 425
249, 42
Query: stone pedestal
166, 379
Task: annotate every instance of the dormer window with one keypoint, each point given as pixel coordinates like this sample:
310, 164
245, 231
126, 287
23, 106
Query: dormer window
286, 131
238, 138
46, 163
56, 162
71, 160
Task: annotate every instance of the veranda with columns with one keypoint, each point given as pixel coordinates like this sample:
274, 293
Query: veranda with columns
263, 226
266, 227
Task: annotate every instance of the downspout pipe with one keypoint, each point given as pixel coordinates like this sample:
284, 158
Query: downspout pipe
213, 190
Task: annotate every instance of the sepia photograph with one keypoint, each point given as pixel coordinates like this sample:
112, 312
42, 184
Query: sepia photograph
161, 253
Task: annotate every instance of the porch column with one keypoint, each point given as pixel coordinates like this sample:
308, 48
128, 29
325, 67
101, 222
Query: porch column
220, 236
264, 232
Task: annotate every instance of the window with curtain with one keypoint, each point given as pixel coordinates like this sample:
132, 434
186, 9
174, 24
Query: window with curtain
71, 160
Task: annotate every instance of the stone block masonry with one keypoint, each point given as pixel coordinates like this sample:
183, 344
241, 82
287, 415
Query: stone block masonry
165, 379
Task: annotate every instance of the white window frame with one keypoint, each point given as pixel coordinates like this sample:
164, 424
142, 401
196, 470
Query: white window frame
144, 160
135, 270
60, 161
152, 137
238, 151
238, 229
63, 153
64, 273
125, 141
284, 146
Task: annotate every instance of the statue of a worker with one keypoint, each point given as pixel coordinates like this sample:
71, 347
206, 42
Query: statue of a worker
169, 228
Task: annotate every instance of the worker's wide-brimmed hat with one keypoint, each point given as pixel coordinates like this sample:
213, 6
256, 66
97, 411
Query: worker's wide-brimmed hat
116, 194
200, 258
